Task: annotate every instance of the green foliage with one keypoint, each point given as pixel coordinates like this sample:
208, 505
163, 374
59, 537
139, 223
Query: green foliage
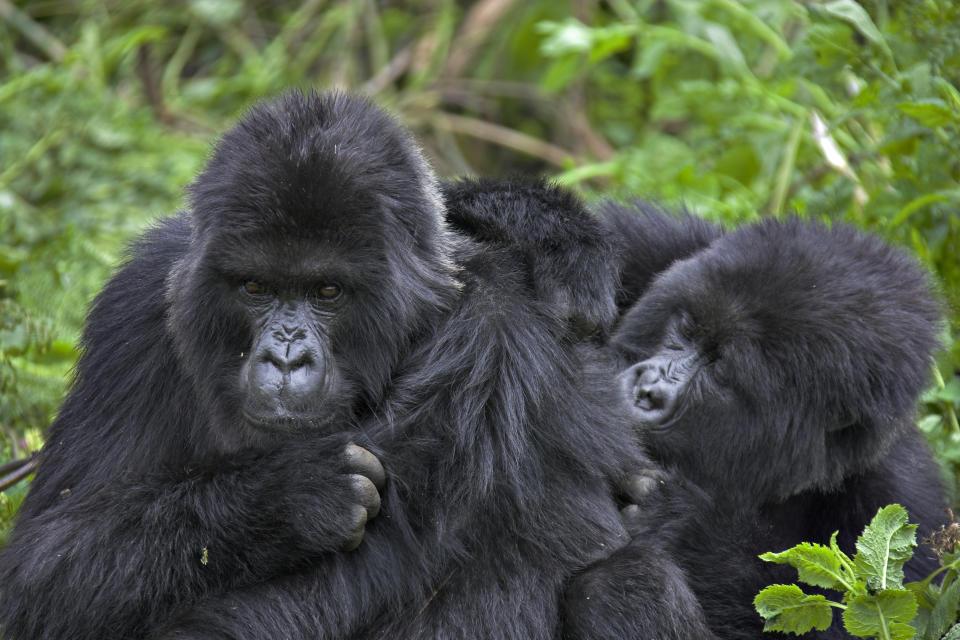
839, 110
874, 600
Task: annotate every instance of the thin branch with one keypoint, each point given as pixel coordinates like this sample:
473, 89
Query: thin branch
17, 470
397, 66
505, 137
479, 22
32, 31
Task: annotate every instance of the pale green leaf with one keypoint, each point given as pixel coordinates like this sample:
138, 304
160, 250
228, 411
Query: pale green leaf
851, 12
815, 564
883, 548
932, 112
944, 612
870, 615
785, 607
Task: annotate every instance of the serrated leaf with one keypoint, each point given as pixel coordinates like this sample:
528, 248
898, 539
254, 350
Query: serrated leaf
932, 112
883, 548
785, 607
816, 565
902, 631
869, 615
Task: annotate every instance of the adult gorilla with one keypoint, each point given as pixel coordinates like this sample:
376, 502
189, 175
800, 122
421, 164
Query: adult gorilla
774, 374
198, 481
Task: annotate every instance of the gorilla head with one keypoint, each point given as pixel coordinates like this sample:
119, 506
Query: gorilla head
316, 250
783, 357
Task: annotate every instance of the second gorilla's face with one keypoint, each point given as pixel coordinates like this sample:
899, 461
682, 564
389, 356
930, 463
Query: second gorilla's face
656, 386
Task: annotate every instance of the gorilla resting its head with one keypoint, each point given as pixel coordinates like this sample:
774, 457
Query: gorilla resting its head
784, 356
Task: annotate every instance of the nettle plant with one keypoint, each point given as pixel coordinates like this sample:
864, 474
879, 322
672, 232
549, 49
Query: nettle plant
873, 598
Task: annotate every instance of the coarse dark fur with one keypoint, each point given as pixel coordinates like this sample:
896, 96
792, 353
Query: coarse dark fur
195, 483
774, 375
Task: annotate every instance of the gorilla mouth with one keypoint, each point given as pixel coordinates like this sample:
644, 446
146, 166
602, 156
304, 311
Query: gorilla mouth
279, 419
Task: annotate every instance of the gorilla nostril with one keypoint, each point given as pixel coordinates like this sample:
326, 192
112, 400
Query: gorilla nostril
304, 359
286, 362
648, 375
270, 356
649, 398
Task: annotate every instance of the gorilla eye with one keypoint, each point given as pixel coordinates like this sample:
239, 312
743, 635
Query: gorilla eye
685, 327
254, 288
329, 292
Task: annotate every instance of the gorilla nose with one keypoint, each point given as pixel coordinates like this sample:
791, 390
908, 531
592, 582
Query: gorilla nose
287, 372
648, 375
288, 358
648, 391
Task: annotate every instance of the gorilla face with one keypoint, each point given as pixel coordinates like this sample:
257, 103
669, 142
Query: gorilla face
293, 370
657, 385
781, 357
316, 252
288, 370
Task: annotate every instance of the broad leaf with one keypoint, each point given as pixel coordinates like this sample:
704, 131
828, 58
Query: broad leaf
815, 564
869, 615
883, 548
785, 607
931, 112
944, 612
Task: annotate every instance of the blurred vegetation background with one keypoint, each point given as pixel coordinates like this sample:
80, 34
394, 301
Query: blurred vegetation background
837, 110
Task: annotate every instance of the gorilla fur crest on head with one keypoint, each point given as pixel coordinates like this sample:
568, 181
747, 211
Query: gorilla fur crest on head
814, 346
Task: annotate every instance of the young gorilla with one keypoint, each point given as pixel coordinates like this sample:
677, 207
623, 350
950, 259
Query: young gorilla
774, 375
198, 481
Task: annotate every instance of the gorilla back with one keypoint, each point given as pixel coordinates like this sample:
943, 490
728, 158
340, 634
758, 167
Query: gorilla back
198, 481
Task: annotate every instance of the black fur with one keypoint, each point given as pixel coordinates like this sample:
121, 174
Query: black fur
796, 357
648, 240
162, 508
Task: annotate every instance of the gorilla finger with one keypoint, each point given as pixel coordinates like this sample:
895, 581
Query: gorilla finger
630, 514
357, 523
362, 461
637, 486
369, 496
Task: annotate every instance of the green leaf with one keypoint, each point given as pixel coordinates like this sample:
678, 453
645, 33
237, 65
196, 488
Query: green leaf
851, 12
953, 634
816, 565
883, 548
944, 612
869, 615
785, 607
949, 93
932, 112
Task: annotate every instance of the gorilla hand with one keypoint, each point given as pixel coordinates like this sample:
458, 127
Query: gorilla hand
327, 506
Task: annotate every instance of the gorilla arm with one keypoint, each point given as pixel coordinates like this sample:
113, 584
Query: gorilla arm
131, 512
496, 490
